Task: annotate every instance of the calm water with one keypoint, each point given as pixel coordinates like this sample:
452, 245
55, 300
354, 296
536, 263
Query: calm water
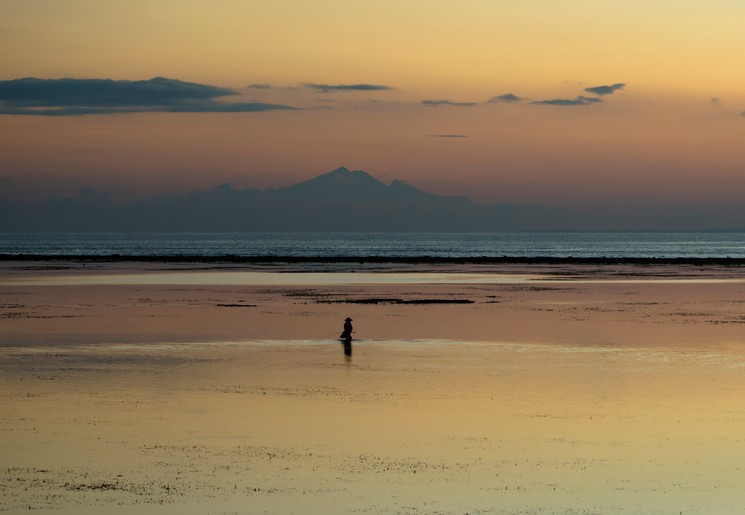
660, 245
403, 427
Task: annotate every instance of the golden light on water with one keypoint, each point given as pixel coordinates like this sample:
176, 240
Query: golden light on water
436, 425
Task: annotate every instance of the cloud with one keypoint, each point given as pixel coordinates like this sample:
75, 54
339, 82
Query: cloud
32, 92
507, 98
722, 107
259, 86
329, 88
568, 102
78, 97
448, 136
435, 103
606, 90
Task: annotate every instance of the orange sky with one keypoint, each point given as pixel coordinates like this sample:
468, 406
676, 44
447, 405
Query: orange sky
660, 136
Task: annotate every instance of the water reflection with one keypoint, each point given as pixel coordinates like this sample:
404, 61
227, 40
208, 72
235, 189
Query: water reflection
268, 278
415, 426
346, 338
347, 343
220, 278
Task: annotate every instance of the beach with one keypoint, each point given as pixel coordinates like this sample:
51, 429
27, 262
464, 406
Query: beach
480, 388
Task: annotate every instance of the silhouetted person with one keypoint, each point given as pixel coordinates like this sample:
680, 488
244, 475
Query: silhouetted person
346, 337
347, 333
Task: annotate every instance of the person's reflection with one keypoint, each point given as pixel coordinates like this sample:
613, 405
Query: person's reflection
347, 348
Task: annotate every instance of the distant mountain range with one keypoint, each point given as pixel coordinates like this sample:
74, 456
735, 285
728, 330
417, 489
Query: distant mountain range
340, 200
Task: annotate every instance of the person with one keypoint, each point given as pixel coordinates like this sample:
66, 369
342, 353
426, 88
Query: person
347, 333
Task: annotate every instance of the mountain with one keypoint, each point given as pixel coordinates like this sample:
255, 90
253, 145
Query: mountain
340, 200
339, 183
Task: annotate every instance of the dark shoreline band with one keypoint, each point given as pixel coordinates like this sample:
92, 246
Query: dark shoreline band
478, 260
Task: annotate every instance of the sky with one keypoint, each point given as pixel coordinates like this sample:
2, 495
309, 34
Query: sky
631, 104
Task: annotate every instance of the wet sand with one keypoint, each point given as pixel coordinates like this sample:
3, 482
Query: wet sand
570, 390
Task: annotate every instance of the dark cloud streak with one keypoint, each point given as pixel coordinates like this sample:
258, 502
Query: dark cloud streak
507, 98
606, 90
330, 88
105, 92
436, 103
568, 102
79, 97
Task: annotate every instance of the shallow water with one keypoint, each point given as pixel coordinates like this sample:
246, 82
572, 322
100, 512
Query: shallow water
267, 278
243, 278
417, 426
380, 244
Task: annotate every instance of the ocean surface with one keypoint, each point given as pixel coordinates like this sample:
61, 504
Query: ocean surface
585, 245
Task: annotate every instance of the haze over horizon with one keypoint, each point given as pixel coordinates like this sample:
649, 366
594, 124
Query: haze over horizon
340, 200
630, 109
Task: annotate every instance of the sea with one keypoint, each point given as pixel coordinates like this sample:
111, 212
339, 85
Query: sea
407, 245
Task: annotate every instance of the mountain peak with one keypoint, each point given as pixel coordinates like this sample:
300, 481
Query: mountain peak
338, 183
342, 170
344, 173
361, 187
